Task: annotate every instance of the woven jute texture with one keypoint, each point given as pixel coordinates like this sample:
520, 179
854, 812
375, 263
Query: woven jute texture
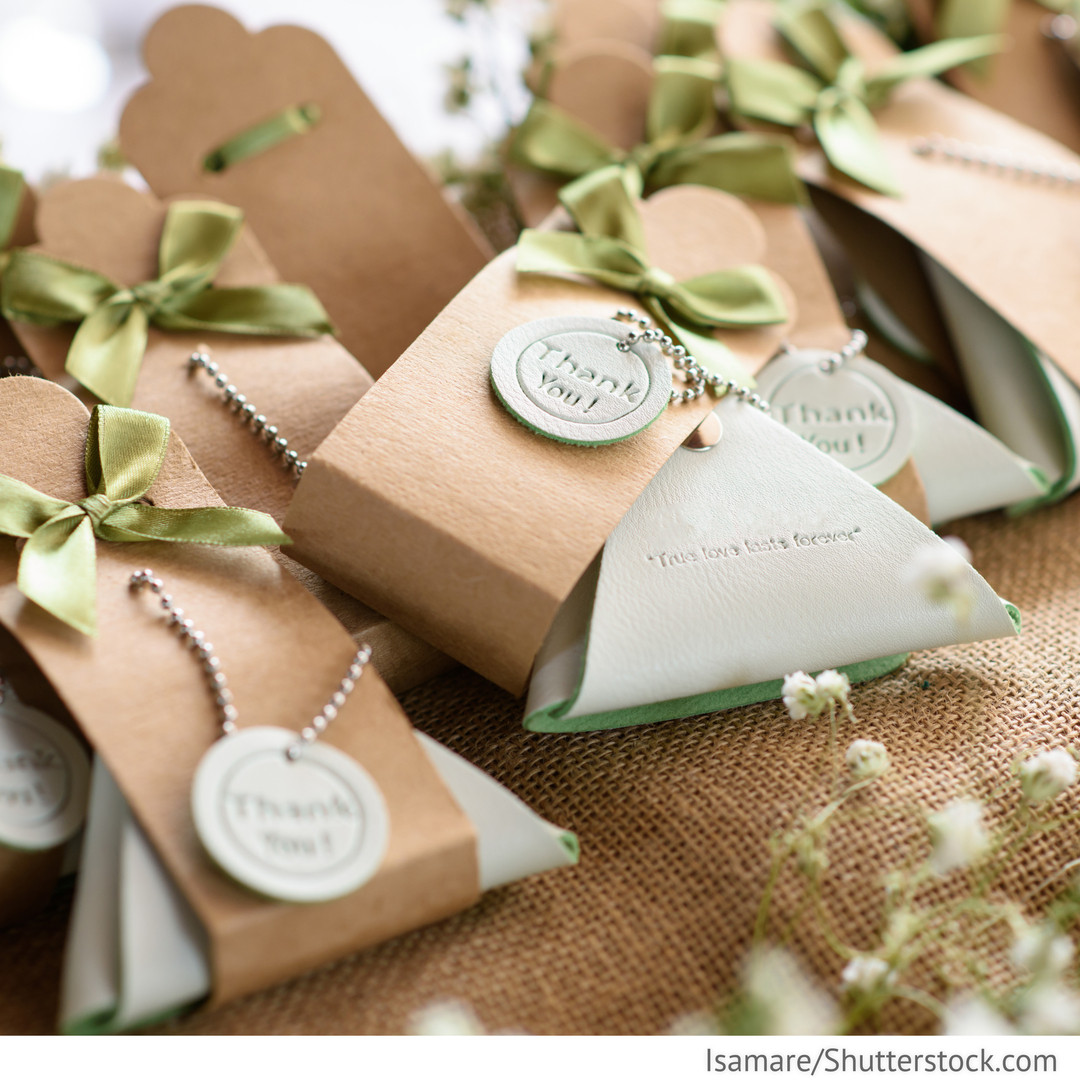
674, 821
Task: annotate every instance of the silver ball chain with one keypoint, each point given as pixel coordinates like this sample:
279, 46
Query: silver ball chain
1003, 162
855, 347
260, 426
695, 376
215, 677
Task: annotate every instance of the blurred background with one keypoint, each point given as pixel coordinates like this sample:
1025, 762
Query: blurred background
445, 73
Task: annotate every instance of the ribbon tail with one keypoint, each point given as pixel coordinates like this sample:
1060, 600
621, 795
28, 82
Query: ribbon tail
928, 62
772, 91
746, 164
848, 135
57, 570
553, 141
279, 310
107, 351
223, 526
714, 356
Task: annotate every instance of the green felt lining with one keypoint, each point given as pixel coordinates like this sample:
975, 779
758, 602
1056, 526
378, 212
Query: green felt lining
553, 718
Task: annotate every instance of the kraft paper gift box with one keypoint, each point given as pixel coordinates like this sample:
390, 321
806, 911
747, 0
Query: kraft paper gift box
482, 535
993, 251
304, 386
334, 197
157, 926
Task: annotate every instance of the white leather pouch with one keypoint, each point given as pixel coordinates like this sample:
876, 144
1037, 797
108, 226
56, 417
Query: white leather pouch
1019, 394
736, 566
136, 954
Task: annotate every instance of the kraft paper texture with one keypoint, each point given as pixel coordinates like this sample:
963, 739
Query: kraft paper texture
343, 208
141, 701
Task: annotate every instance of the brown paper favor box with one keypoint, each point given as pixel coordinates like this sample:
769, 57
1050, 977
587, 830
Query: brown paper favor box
1014, 244
470, 529
1032, 80
143, 704
303, 386
343, 207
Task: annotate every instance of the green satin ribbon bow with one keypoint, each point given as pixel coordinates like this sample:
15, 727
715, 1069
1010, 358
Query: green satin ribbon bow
11, 192
681, 112
610, 249
688, 28
124, 453
263, 136
836, 95
109, 345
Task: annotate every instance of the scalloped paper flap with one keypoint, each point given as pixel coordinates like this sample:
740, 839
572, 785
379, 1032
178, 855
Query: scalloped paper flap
142, 702
344, 208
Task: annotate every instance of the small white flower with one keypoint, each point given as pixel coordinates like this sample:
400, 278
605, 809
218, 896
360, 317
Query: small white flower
445, 1018
833, 686
1045, 776
973, 1016
1043, 950
801, 696
1050, 1009
806, 696
790, 1003
696, 1023
866, 759
865, 974
942, 573
957, 835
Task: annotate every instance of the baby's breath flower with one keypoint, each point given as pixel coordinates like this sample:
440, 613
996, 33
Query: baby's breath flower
865, 974
833, 686
974, 1016
787, 1002
957, 836
866, 759
801, 696
1043, 950
806, 696
445, 1018
1045, 776
942, 573
1050, 1009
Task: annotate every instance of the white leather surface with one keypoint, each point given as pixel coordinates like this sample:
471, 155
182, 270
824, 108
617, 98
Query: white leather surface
136, 953
662, 629
964, 469
1011, 388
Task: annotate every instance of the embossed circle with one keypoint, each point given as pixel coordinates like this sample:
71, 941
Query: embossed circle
44, 779
857, 413
565, 378
306, 831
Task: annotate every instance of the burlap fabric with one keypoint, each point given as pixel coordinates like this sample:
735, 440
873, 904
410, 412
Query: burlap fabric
674, 821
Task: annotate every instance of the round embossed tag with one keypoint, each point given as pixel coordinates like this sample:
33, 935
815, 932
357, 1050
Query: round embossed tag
307, 830
44, 779
565, 378
857, 412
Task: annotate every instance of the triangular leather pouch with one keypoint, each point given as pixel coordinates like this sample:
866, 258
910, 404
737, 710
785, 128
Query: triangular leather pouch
136, 954
748, 561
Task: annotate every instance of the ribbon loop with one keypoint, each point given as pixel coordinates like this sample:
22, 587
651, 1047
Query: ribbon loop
833, 90
124, 454
107, 350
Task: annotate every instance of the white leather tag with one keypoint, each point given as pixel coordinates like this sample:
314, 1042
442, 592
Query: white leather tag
735, 567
